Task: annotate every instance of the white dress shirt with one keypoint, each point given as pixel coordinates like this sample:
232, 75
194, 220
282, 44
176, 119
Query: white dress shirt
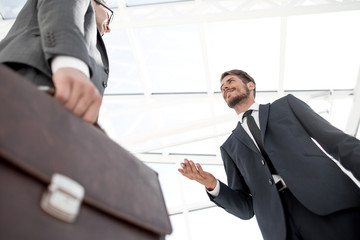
67, 61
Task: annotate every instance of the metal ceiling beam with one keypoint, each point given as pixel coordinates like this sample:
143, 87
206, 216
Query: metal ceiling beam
204, 50
352, 126
283, 38
177, 158
190, 207
160, 133
192, 12
140, 103
138, 57
161, 147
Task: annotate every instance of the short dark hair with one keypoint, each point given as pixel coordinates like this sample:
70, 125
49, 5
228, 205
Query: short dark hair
240, 74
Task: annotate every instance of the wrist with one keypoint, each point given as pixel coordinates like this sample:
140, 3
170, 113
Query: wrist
211, 186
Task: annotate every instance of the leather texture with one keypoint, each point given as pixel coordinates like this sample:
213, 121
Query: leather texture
39, 137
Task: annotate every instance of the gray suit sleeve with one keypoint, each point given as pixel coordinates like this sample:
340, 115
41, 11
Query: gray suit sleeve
62, 26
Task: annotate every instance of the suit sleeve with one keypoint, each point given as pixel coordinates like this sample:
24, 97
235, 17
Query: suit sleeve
234, 198
62, 28
341, 146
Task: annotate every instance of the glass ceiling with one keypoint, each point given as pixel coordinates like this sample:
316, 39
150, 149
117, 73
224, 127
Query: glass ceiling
163, 102
10, 9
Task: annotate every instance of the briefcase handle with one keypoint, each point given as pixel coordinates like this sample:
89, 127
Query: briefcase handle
51, 91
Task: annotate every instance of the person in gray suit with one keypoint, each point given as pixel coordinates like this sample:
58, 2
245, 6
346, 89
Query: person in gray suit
58, 44
277, 171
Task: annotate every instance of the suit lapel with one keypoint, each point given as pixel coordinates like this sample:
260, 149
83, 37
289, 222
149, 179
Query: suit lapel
242, 136
263, 118
102, 49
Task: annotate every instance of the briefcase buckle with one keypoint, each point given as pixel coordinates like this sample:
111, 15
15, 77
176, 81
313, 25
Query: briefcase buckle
63, 198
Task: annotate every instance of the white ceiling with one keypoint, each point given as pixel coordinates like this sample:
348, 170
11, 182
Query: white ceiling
167, 59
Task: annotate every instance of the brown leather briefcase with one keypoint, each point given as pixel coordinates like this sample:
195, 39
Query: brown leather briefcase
62, 178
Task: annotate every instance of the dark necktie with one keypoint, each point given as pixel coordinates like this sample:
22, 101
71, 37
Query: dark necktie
255, 131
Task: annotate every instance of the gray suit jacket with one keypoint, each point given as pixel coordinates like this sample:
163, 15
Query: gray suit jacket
287, 126
48, 28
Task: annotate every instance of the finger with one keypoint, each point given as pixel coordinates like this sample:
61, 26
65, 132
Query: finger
184, 172
185, 165
187, 175
73, 99
82, 92
193, 167
63, 91
199, 167
86, 99
92, 112
182, 166
201, 171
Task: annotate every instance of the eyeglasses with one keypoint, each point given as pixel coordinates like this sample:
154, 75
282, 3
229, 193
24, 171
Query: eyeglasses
107, 8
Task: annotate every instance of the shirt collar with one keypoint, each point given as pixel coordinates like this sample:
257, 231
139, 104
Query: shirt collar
254, 107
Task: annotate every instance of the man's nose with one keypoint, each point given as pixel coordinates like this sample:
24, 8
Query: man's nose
106, 28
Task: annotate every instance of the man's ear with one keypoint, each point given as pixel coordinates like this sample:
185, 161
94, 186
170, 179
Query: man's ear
251, 85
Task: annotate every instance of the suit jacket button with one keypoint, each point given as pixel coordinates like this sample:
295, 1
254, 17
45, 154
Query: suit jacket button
262, 162
104, 84
271, 182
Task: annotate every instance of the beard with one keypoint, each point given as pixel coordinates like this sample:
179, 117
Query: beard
239, 98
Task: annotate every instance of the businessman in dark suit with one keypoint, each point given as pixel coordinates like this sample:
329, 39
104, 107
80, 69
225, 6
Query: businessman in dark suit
59, 44
279, 174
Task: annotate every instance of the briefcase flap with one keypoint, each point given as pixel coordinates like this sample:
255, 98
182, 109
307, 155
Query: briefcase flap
40, 136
